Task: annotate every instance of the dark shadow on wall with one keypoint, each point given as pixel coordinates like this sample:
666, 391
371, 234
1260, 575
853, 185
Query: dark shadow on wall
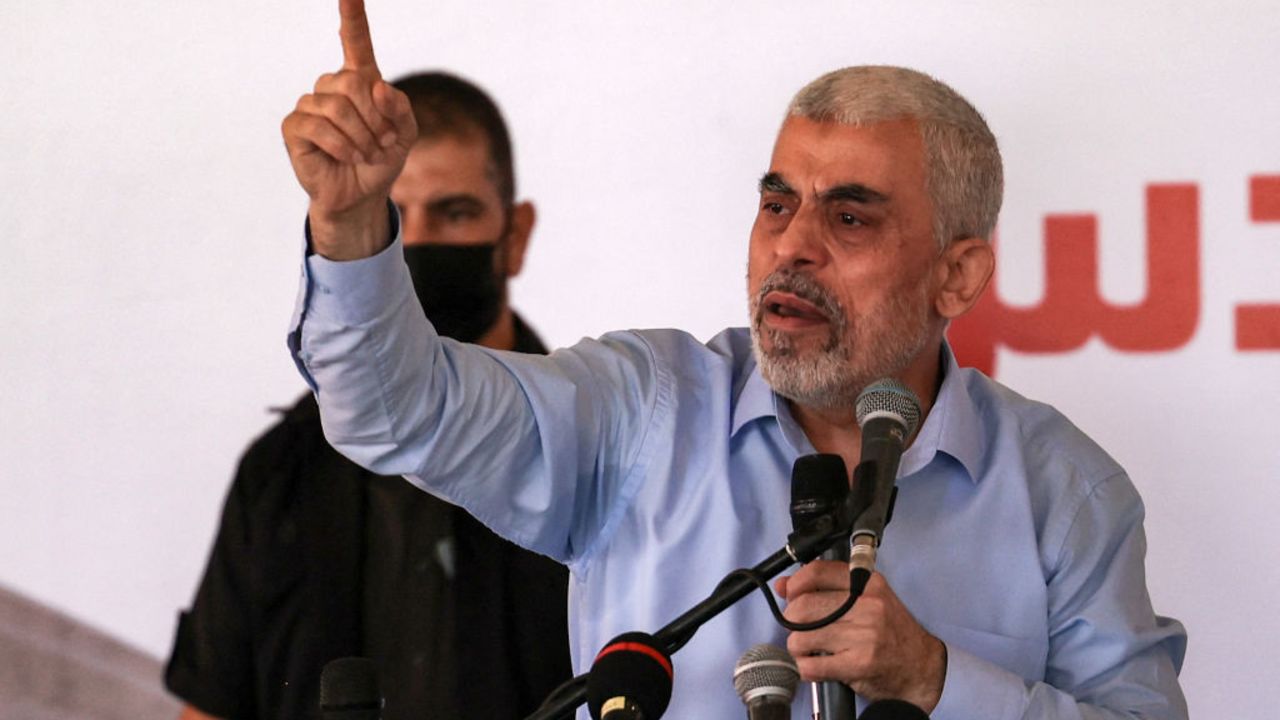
55, 668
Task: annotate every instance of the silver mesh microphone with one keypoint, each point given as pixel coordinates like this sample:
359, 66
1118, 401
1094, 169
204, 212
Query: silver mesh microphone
888, 398
888, 413
765, 678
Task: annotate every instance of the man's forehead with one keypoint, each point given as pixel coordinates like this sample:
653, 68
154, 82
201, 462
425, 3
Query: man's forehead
862, 161
472, 148
448, 164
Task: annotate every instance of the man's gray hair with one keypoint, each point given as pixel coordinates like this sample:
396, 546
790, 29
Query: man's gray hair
962, 162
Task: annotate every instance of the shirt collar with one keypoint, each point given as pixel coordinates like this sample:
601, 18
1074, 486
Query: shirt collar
953, 426
755, 400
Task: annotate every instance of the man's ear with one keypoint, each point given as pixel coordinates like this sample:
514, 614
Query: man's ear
523, 217
962, 273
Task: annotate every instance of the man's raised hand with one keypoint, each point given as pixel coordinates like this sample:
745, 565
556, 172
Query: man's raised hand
348, 140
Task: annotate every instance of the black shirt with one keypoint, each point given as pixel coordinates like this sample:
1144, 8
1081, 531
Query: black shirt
317, 558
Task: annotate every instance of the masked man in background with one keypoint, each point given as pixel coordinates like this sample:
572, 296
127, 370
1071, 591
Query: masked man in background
317, 558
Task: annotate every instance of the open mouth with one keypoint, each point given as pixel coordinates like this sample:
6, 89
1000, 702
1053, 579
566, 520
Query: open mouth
785, 310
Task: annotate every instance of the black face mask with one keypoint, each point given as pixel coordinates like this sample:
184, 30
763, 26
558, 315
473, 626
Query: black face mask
459, 289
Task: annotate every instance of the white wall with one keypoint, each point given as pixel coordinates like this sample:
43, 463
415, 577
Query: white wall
151, 226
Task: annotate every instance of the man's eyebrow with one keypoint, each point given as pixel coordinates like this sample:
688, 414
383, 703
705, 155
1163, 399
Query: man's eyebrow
456, 202
773, 183
854, 192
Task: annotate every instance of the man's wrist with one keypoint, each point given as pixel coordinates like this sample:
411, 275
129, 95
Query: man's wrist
353, 234
933, 677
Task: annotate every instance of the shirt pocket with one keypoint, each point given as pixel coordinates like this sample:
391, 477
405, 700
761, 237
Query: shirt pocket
1023, 656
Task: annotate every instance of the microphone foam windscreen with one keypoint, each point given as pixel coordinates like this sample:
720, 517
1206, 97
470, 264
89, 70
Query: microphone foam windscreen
819, 484
889, 397
893, 710
766, 670
349, 688
632, 666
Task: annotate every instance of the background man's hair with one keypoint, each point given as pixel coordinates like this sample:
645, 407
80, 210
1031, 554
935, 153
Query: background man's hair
445, 104
962, 161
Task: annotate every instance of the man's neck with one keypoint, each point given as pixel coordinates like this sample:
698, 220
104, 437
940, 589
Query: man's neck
836, 430
502, 335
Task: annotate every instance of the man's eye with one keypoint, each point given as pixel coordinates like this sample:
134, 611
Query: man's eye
849, 219
773, 207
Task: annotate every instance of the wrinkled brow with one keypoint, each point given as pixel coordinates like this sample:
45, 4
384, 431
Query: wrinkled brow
773, 183
854, 192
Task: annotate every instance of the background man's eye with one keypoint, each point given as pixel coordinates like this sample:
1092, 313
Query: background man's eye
848, 219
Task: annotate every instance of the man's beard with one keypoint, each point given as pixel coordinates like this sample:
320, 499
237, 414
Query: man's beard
853, 355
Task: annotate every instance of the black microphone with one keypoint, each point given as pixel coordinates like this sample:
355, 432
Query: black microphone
893, 710
630, 679
819, 486
349, 690
765, 678
888, 413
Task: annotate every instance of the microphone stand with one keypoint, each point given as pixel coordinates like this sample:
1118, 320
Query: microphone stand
833, 700
802, 546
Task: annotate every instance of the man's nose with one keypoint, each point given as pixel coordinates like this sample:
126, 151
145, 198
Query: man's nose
801, 244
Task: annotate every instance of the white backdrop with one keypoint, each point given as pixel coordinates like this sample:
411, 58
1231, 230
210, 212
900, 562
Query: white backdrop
151, 229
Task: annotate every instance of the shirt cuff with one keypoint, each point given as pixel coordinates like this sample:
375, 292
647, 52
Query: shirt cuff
974, 688
358, 292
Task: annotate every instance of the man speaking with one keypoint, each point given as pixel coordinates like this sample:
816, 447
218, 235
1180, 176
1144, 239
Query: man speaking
1011, 582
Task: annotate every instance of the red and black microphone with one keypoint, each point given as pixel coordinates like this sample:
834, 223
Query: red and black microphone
630, 679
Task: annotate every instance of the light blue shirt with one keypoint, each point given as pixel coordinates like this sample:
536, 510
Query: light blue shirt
653, 464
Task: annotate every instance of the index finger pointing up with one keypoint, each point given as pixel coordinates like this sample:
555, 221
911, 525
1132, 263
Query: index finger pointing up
357, 45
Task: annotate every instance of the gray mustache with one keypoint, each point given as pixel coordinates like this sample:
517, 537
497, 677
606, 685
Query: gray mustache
803, 286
